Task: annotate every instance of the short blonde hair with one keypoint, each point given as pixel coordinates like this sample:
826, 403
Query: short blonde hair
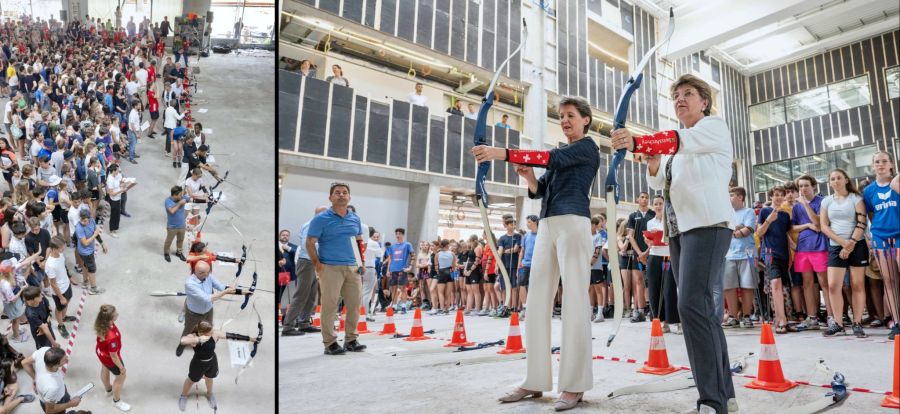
699, 84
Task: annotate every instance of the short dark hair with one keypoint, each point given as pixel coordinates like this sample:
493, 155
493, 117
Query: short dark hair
739, 191
807, 177
335, 185
509, 221
54, 356
533, 218
371, 231
400, 230
776, 189
581, 105
790, 186
31, 292
175, 190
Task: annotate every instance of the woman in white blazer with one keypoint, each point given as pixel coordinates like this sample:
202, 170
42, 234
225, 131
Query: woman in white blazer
692, 166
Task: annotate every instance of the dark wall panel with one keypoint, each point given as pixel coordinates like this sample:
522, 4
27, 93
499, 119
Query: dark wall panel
360, 119
502, 43
436, 151
511, 176
515, 35
406, 18
458, 29
339, 130
330, 6
472, 33
353, 10
454, 144
370, 14
312, 131
488, 33
288, 102
442, 26
379, 121
399, 133
468, 163
388, 17
418, 138
424, 23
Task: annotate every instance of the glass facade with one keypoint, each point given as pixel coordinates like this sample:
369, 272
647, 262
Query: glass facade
856, 161
814, 102
257, 21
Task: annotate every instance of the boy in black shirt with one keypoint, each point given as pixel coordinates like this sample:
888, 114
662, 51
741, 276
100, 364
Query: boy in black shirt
637, 223
774, 225
38, 313
509, 246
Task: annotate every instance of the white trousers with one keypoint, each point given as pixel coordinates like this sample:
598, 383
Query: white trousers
563, 248
368, 283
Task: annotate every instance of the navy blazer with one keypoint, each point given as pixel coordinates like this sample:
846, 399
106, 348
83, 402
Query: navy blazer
290, 257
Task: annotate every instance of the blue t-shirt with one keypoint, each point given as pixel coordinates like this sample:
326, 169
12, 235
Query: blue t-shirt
84, 232
334, 234
528, 245
178, 132
742, 248
176, 220
776, 237
507, 243
884, 204
399, 253
599, 241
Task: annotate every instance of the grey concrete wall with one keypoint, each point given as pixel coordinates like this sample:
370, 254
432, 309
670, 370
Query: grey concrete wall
424, 206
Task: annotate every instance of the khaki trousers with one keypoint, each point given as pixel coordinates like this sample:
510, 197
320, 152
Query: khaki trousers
563, 248
340, 282
174, 234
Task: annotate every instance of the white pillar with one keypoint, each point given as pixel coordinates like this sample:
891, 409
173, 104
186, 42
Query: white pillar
423, 213
534, 73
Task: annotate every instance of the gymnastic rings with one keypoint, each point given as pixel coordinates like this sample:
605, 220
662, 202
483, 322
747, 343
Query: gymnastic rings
411, 73
426, 70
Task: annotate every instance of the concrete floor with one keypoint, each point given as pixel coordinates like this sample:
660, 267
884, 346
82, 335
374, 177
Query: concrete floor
425, 377
238, 91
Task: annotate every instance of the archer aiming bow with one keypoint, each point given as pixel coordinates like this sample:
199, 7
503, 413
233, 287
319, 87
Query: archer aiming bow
612, 187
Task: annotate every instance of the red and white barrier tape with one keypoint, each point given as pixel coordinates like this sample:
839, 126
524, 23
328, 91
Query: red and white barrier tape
634, 361
74, 331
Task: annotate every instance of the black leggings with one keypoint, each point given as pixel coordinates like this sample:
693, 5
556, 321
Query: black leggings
115, 211
662, 283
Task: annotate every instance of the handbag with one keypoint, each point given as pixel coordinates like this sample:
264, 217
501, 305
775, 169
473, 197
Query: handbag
284, 278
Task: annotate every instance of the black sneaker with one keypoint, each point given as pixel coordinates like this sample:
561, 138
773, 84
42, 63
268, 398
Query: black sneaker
65, 333
70, 319
334, 349
180, 256
292, 332
354, 346
894, 331
174, 164
168, 258
858, 331
179, 350
833, 329
310, 329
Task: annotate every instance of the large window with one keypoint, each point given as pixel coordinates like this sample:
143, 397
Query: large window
856, 161
257, 20
814, 102
767, 114
892, 75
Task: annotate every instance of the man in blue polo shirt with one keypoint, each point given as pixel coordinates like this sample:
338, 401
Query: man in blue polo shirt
338, 231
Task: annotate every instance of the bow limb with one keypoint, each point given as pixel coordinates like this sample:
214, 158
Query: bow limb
612, 187
481, 195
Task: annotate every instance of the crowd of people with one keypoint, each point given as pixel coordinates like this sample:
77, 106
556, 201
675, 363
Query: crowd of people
79, 96
798, 249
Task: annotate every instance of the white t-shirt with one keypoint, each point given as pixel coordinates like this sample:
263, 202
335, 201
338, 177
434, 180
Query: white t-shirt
141, 75
7, 111
373, 250
131, 87
417, 99
50, 385
114, 182
56, 269
653, 225
74, 213
193, 185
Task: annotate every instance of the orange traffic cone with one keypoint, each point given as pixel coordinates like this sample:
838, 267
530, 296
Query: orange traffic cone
361, 326
316, 321
658, 360
769, 376
389, 327
459, 333
514, 339
893, 399
417, 333
343, 315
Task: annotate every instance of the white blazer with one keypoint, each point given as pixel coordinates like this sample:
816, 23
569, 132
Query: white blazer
701, 171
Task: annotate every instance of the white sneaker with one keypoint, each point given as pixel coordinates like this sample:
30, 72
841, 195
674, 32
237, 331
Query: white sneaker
599, 318
675, 329
181, 317
122, 405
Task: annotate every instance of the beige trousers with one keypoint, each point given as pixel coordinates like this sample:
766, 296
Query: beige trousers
340, 282
563, 248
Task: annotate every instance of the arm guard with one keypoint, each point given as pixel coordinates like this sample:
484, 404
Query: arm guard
528, 157
660, 143
236, 337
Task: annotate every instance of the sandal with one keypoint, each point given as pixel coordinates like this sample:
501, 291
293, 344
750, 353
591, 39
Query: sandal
780, 329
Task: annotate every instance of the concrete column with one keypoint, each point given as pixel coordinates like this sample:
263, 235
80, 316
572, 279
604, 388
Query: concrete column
423, 213
535, 111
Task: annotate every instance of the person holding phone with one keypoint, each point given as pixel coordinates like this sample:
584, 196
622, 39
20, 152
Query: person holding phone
109, 351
